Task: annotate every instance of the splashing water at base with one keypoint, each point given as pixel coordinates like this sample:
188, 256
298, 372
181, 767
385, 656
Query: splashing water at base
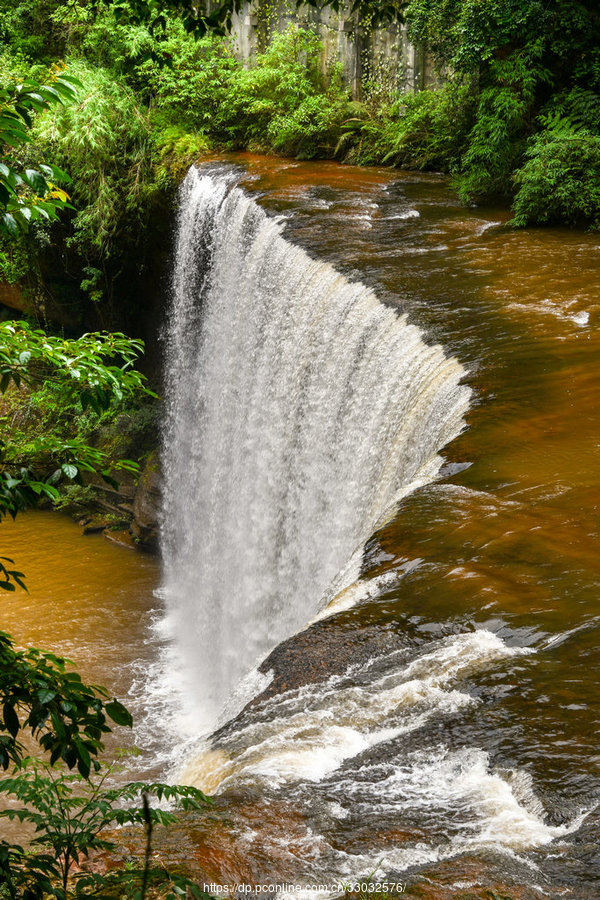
340, 751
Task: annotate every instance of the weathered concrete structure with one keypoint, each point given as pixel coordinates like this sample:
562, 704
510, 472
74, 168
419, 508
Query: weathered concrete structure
381, 59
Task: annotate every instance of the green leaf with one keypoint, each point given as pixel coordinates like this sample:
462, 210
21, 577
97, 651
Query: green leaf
84, 762
45, 695
11, 720
118, 713
36, 181
9, 223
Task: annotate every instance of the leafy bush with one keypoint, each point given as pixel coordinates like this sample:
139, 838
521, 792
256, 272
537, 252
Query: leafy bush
560, 181
310, 130
15, 260
70, 815
177, 150
525, 57
190, 81
27, 26
41, 699
282, 102
425, 130
53, 381
103, 140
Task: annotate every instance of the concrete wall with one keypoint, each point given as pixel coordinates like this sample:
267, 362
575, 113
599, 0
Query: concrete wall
379, 59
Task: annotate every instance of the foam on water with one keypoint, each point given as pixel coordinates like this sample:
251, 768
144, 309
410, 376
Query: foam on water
322, 748
306, 734
407, 214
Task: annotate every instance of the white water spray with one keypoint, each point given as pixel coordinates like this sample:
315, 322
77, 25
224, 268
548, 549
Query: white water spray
300, 408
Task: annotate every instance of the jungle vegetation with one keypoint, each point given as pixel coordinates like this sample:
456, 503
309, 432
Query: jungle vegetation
517, 116
66, 794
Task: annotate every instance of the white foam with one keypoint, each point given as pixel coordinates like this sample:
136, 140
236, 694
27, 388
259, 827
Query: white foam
306, 734
408, 214
581, 318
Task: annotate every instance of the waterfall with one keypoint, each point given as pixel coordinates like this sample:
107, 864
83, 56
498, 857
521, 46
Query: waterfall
299, 409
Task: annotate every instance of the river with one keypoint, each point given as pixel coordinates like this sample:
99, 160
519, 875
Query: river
438, 722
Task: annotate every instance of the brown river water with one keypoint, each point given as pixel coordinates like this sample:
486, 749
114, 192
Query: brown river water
504, 542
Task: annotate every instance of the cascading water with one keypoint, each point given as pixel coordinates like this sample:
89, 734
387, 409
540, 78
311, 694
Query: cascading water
300, 408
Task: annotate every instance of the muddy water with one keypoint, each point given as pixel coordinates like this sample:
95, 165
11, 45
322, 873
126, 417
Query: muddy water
91, 601
504, 543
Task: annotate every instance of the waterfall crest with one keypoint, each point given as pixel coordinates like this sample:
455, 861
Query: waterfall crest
300, 408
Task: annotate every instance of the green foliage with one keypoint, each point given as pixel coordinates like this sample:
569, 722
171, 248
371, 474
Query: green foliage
89, 373
284, 103
464, 34
69, 815
75, 496
560, 180
155, 98
282, 78
78, 366
527, 59
190, 81
104, 141
15, 260
204, 16
201, 94
178, 149
27, 25
425, 130
312, 129
29, 194
39, 695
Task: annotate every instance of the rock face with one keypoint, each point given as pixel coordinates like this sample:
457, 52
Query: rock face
146, 505
11, 295
381, 55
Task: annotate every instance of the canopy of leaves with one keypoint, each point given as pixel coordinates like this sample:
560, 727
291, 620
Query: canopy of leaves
29, 194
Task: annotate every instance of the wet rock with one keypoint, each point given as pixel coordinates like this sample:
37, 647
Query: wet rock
146, 505
94, 525
322, 650
123, 538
